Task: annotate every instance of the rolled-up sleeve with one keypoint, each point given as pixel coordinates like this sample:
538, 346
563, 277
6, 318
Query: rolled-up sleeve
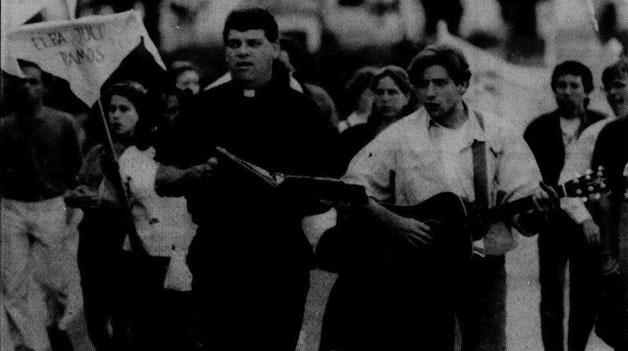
373, 168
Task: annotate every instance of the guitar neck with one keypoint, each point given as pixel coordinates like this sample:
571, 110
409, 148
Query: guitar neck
519, 205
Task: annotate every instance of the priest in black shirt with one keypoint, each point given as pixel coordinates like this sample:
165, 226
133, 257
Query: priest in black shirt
250, 259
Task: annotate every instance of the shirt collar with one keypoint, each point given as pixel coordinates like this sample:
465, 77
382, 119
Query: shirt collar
475, 130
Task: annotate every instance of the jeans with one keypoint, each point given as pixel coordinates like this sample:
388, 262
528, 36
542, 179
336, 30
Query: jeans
481, 305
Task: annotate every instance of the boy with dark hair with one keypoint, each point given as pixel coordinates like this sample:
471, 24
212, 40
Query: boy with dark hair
423, 154
562, 142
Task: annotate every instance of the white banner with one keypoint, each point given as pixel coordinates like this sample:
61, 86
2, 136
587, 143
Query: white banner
85, 52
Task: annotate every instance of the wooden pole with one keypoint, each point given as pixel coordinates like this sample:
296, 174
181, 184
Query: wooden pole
118, 183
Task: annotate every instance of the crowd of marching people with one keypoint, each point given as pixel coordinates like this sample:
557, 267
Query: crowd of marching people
131, 218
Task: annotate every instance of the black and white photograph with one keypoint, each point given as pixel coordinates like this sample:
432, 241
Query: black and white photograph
314, 175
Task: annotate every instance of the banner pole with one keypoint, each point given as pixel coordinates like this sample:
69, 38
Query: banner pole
118, 183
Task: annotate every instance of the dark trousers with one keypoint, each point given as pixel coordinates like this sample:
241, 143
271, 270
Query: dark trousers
481, 306
389, 309
246, 298
555, 249
99, 262
125, 304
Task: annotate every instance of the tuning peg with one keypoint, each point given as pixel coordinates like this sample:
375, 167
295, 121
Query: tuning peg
578, 191
584, 199
590, 188
597, 196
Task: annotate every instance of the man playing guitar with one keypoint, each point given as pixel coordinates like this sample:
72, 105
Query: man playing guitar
444, 146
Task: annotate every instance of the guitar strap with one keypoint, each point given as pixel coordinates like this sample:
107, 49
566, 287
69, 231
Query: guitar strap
480, 183
480, 179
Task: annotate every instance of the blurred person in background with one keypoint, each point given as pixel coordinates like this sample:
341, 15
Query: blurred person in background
184, 81
294, 57
611, 152
520, 17
359, 97
40, 159
186, 76
129, 304
562, 142
612, 36
393, 99
170, 107
450, 11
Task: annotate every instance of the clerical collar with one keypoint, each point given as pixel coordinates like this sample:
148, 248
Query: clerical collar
249, 93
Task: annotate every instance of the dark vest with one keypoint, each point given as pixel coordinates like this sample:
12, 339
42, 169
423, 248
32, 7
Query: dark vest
545, 139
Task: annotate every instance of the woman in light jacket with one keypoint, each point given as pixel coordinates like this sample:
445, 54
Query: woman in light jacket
132, 301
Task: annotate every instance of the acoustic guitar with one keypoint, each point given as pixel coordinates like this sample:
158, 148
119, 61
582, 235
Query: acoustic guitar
455, 223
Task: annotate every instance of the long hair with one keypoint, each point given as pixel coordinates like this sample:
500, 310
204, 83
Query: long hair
137, 94
401, 79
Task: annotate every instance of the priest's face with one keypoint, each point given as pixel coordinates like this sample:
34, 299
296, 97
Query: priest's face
250, 57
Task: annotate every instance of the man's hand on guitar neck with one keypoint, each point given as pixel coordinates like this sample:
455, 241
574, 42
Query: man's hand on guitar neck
546, 199
412, 231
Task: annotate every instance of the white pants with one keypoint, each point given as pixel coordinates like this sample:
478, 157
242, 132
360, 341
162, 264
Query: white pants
37, 263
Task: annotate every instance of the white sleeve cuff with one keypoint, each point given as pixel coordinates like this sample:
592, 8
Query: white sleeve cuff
575, 208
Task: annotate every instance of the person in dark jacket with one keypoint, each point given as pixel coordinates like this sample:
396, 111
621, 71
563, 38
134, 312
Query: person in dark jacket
40, 158
571, 235
297, 59
250, 259
611, 152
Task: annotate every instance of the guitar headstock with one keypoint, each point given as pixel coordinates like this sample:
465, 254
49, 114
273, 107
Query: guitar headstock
588, 186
